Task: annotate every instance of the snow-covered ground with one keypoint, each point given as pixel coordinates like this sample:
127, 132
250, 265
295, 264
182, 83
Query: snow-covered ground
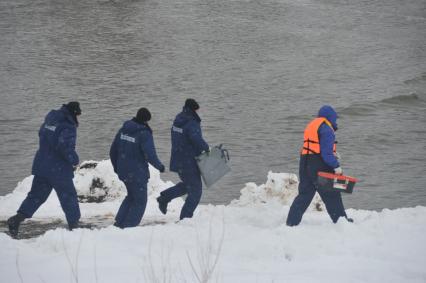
245, 241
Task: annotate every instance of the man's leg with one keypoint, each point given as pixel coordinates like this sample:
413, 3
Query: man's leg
123, 211
68, 199
171, 193
334, 204
124, 207
193, 185
138, 200
305, 196
40, 191
300, 203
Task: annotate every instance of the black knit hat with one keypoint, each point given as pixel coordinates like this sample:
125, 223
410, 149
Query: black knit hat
143, 115
192, 104
74, 108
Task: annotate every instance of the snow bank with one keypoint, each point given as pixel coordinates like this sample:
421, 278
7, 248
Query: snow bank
246, 241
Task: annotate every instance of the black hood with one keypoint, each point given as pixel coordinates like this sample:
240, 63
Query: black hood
70, 116
132, 126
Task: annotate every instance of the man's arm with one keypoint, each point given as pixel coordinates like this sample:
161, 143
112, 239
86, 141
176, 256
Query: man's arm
113, 152
66, 145
148, 148
327, 138
196, 137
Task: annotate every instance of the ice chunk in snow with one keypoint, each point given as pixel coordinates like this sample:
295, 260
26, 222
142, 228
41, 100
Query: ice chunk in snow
97, 182
280, 187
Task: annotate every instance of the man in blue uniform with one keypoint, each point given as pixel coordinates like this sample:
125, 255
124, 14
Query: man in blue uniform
53, 167
133, 148
187, 143
318, 154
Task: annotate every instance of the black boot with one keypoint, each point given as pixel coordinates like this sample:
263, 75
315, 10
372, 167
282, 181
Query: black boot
349, 219
117, 225
72, 226
14, 222
162, 204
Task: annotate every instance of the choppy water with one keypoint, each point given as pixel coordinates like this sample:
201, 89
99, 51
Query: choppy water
260, 69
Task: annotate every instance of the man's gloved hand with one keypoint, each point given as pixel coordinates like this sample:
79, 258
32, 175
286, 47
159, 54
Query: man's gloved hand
338, 171
162, 169
338, 156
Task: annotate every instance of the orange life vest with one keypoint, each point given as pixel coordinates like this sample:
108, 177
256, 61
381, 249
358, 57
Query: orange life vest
311, 143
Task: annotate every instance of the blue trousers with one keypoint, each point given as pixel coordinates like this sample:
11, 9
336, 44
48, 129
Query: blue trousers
308, 171
133, 206
40, 191
191, 184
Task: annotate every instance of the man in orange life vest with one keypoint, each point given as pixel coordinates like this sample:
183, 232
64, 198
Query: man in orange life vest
318, 154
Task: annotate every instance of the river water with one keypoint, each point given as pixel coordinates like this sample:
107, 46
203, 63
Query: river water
259, 68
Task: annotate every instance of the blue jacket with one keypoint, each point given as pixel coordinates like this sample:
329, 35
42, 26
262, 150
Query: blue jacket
327, 137
187, 141
131, 150
56, 155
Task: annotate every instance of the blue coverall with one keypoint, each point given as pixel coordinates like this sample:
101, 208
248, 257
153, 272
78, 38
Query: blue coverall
131, 151
187, 143
310, 165
53, 166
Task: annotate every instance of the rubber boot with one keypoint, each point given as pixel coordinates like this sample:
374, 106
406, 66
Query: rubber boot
117, 225
162, 204
14, 222
72, 226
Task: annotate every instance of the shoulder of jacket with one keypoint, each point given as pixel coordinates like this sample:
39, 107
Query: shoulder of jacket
191, 125
194, 121
67, 125
144, 132
325, 129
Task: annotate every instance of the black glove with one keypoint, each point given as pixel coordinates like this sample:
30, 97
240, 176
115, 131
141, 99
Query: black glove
162, 169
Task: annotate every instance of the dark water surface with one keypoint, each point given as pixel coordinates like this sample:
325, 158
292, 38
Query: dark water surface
260, 70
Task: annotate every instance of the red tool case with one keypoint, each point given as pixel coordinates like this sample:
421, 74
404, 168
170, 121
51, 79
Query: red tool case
333, 182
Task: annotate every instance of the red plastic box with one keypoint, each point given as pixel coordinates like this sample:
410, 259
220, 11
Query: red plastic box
333, 182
